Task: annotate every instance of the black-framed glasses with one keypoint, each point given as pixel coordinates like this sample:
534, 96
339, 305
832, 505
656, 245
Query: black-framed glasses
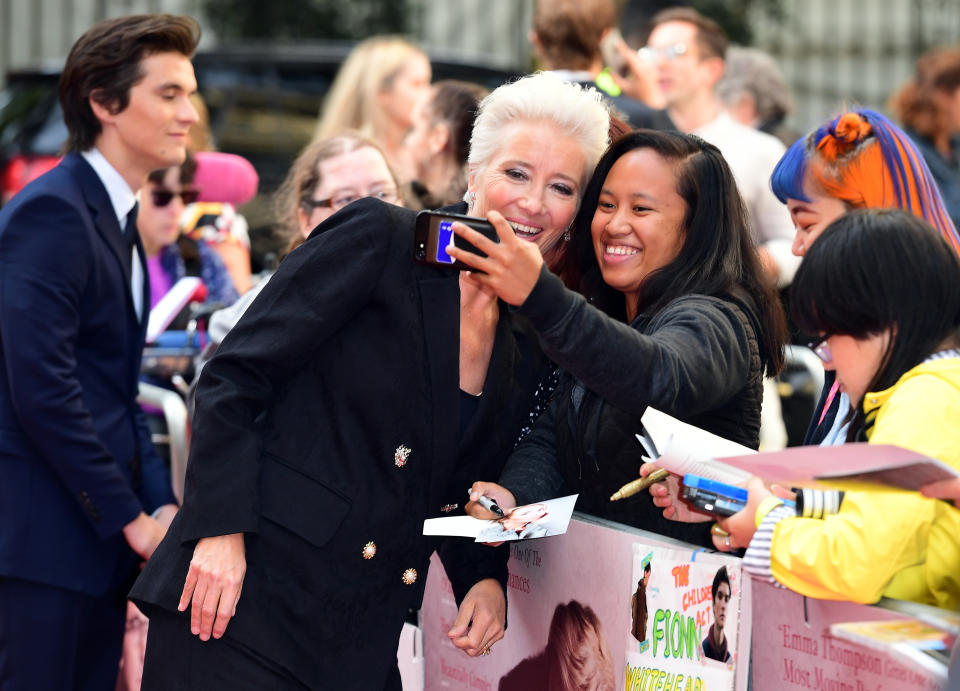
821, 349
162, 196
671, 52
341, 200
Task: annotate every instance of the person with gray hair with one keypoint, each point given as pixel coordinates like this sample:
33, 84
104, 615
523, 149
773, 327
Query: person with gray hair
516, 119
358, 396
755, 93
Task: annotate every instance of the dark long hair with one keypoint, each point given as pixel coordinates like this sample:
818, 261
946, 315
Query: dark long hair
718, 256
874, 270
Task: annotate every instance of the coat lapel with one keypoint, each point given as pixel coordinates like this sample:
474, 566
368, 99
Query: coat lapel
104, 219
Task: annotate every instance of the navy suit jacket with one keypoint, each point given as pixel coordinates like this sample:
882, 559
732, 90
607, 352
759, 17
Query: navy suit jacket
76, 460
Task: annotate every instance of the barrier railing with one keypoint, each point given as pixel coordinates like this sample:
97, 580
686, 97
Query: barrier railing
599, 566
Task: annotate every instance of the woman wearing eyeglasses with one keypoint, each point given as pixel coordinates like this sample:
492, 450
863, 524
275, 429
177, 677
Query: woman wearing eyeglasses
328, 175
880, 289
170, 255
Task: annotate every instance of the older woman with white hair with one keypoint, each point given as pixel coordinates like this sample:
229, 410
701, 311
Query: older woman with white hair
359, 395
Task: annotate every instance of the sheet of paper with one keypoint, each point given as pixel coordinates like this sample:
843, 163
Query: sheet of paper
541, 519
170, 305
686, 449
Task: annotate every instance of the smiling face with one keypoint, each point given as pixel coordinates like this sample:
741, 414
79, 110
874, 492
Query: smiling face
856, 361
151, 132
638, 224
811, 218
534, 179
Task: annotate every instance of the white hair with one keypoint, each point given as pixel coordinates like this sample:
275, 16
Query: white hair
577, 111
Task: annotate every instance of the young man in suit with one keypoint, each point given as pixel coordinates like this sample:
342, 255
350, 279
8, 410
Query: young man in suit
84, 495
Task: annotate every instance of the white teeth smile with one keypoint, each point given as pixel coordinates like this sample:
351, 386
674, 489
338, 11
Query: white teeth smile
620, 250
524, 231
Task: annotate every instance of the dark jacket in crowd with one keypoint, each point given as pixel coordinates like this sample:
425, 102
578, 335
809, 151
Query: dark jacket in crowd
330, 420
696, 359
638, 114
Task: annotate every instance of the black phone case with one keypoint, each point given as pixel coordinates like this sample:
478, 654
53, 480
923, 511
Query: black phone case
425, 242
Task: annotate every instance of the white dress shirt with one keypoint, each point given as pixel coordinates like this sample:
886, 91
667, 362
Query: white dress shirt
123, 200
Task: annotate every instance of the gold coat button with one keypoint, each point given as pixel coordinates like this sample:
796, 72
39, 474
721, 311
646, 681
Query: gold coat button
370, 550
409, 576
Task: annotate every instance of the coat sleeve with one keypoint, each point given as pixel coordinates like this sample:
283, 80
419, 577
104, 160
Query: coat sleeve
695, 358
45, 264
157, 489
467, 563
317, 289
853, 554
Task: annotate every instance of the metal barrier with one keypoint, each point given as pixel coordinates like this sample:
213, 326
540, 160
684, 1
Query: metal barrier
178, 429
804, 358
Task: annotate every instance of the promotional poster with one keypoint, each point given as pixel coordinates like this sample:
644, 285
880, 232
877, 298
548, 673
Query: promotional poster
685, 615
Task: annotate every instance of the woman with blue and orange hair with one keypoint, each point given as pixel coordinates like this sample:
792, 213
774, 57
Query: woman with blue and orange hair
857, 160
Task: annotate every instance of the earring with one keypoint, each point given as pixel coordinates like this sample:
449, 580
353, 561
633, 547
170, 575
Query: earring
566, 234
471, 198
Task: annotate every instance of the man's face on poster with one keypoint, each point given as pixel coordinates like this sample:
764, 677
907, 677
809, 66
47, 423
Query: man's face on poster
720, 603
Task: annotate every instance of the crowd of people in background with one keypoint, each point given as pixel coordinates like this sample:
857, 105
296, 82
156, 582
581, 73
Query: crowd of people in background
652, 206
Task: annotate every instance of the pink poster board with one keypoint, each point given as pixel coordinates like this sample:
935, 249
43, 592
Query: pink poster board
595, 565
592, 566
793, 648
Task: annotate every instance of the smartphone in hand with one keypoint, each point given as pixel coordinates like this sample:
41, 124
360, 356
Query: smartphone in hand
714, 497
434, 234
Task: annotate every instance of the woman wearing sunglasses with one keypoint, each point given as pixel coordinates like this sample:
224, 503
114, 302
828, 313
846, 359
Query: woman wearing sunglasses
171, 255
879, 288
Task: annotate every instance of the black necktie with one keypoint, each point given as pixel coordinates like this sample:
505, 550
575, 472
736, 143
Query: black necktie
130, 229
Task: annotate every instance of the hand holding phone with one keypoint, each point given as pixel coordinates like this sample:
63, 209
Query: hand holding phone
434, 235
717, 498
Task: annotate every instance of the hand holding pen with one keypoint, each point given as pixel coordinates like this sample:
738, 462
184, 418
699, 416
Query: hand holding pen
488, 498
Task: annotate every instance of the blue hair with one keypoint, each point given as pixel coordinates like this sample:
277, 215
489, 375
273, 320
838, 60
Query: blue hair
787, 177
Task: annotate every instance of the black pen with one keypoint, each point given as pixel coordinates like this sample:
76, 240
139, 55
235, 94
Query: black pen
488, 503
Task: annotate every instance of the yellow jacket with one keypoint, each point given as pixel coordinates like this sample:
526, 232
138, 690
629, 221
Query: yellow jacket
887, 542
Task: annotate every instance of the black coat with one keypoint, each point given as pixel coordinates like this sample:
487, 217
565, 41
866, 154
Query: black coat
329, 419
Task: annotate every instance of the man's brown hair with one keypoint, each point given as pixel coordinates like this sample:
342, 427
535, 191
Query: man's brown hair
711, 38
569, 31
106, 62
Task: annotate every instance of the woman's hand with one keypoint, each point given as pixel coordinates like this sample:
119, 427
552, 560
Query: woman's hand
213, 584
742, 525
511, 267
504, 498
482, 618
666, 495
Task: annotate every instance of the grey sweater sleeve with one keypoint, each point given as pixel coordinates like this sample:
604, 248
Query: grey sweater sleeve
693, 356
